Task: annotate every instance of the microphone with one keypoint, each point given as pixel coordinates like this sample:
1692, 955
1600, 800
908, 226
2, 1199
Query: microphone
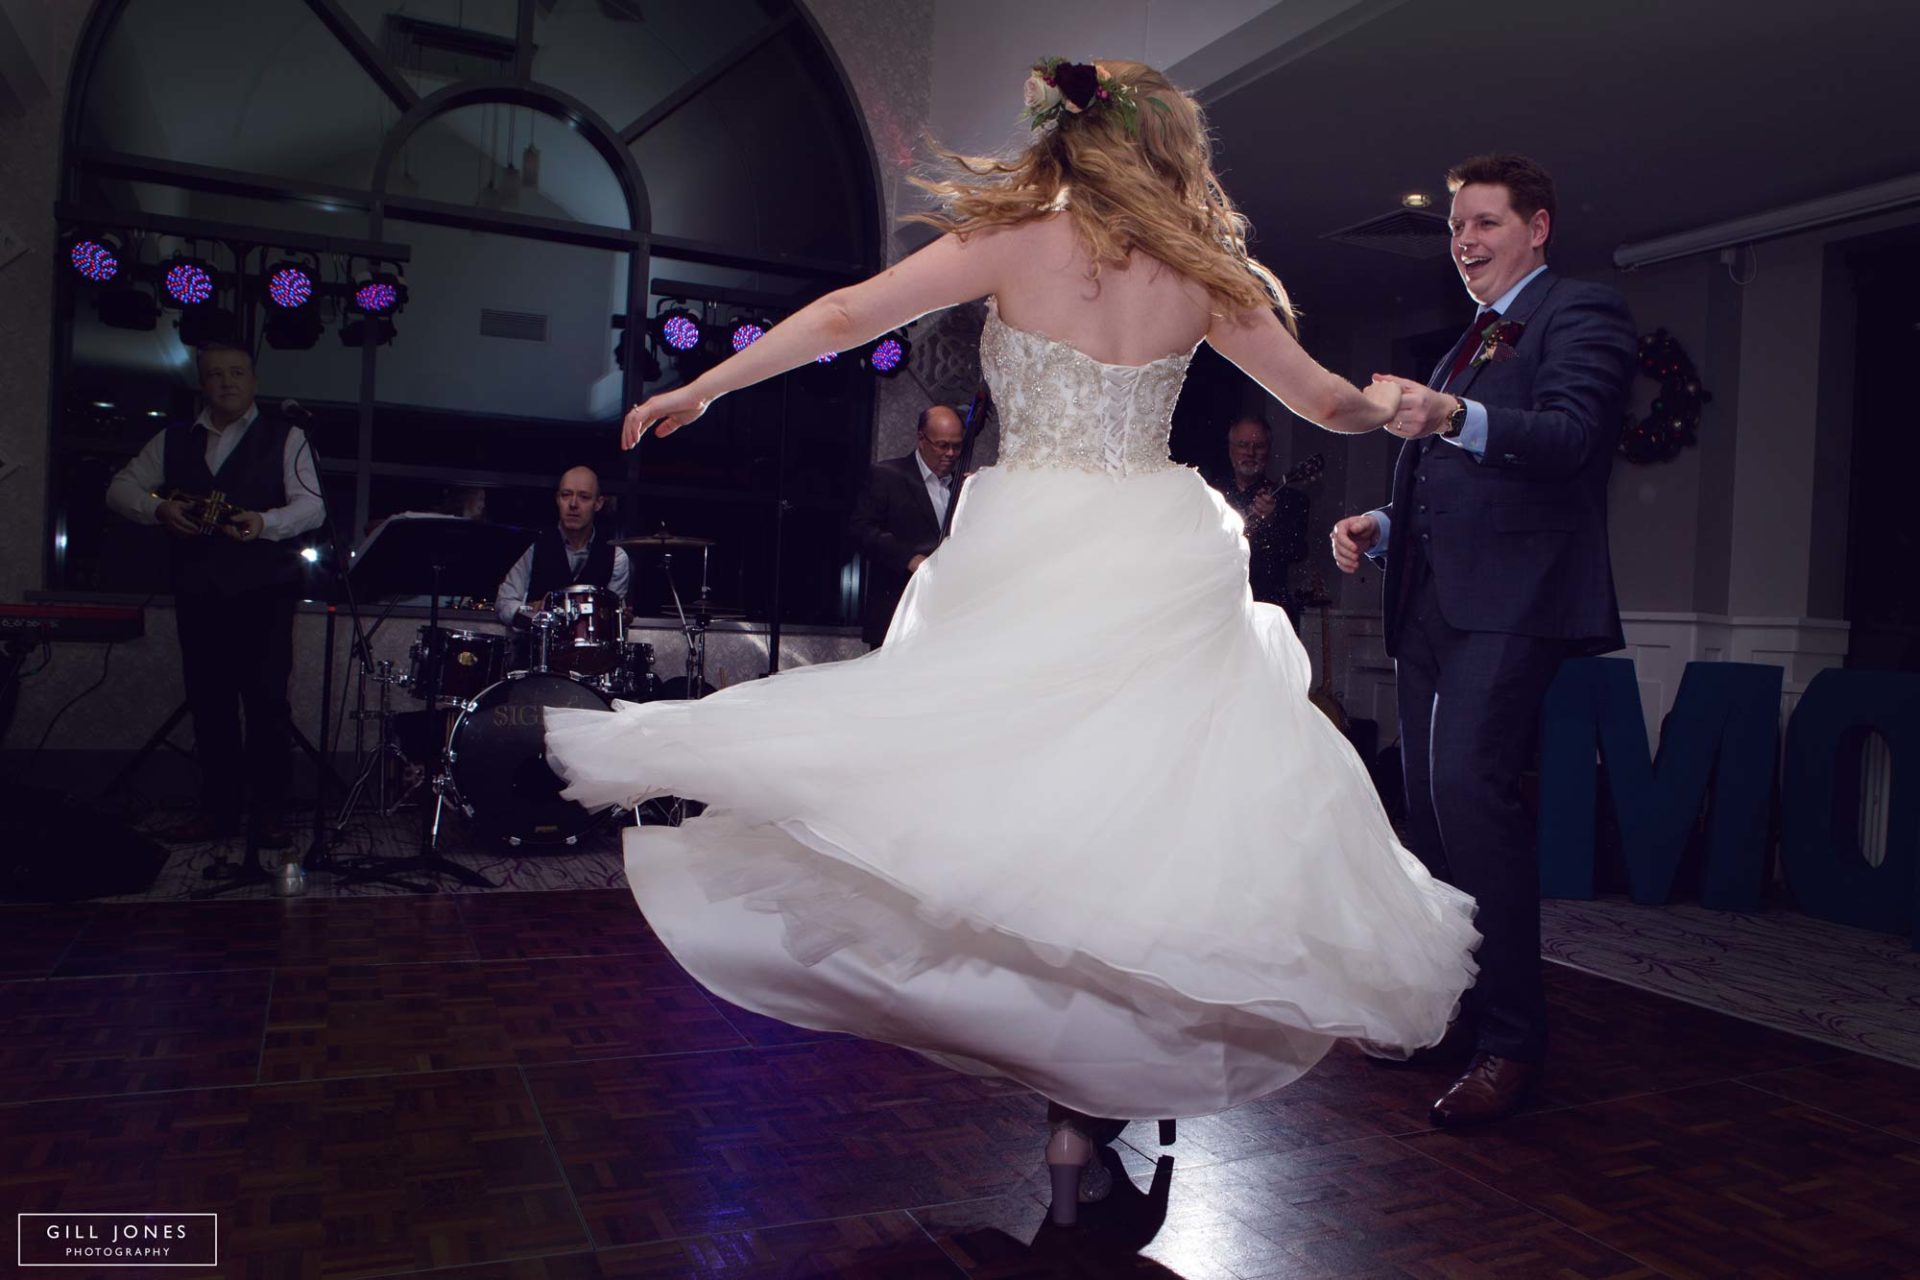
293, 409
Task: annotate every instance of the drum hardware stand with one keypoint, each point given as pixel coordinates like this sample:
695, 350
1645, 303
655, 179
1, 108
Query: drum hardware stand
696, 627
375, 765
427, 860
780, 509
674, 809
328, 834
391, 565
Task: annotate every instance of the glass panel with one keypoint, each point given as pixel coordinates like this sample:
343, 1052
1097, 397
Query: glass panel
487, 17
814, 557
767, 159
478, 156
738, 529
345, 221
623, 58
96, 550
817, 561
334, 430
256, 85
391, 495
736, 447
141, 370
558, 300
491, 445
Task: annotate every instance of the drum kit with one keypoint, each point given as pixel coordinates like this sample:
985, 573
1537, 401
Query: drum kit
487, 693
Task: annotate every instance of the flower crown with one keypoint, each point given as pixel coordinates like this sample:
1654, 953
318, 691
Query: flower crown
1060, 88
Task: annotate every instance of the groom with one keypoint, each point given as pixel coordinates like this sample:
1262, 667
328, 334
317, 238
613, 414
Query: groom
1495, 546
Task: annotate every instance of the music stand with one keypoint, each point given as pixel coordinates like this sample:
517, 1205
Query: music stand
431, 555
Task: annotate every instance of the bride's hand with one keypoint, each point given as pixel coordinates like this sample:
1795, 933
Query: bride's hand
1384, 396
671, 410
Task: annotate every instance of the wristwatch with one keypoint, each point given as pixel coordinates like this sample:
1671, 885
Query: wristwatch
1457, 419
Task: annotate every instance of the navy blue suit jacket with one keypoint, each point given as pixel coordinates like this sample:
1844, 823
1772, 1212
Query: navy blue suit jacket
1518, 538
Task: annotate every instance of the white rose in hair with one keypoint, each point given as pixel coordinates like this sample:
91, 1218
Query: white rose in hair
1040, 96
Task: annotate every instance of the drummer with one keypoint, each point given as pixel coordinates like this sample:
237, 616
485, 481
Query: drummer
570, 554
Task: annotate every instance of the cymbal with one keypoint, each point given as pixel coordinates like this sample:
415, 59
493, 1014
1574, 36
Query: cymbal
663, 541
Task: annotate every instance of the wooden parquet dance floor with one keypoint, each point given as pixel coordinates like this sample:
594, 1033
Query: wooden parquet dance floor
524, 1086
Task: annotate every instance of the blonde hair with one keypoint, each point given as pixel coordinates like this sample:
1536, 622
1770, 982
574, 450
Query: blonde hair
1152, 189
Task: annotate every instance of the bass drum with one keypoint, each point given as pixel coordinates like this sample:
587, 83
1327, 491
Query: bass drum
498, 761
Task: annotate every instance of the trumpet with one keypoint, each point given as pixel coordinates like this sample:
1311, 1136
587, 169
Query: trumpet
207, 511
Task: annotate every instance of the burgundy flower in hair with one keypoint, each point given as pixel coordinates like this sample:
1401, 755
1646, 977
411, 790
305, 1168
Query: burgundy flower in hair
1079, 84
1060, 88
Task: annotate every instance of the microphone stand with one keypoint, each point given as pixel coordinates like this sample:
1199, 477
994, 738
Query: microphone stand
780, 508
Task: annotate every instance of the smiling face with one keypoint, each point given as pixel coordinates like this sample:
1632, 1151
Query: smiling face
1493, 247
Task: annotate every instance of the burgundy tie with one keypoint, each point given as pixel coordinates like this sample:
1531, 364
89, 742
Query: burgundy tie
1470, 345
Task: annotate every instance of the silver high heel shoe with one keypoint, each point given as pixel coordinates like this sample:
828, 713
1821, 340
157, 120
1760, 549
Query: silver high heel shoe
1078, 1173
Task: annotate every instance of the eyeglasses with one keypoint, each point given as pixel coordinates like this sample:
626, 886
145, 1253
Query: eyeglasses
942, 446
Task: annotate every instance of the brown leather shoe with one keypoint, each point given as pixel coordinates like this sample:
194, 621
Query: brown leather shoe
1492, 1089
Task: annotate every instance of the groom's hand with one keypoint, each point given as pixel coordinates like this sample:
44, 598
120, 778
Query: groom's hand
1353, 537
1423, 411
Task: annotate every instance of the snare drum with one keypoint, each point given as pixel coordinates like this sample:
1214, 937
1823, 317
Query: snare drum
497, 759
463, 663
591, 626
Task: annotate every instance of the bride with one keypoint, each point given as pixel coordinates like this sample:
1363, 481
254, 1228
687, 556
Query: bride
1153, 879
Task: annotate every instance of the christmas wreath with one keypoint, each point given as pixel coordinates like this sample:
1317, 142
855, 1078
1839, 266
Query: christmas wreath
1673, 422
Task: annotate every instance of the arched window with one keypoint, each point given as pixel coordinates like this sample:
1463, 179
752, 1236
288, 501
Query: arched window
546, 178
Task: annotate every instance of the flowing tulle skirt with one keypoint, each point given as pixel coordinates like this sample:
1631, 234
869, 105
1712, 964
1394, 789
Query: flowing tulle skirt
1076, 823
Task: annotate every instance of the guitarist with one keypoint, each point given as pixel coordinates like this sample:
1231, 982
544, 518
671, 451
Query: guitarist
1275, 515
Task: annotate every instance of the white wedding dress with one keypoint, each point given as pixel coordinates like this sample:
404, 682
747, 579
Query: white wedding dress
1076, 823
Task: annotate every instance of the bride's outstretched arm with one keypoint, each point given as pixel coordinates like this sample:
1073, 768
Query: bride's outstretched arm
946, 272
1260, 345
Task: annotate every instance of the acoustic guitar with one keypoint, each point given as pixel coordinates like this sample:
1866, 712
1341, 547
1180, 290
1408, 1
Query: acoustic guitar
1308, 471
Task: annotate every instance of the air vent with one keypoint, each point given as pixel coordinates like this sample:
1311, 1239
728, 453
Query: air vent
1407, 232
522, 326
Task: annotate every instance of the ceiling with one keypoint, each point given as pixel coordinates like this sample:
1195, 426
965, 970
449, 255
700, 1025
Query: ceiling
1653, 116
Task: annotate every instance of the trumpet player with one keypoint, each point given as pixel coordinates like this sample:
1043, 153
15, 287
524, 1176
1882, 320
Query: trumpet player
236, 575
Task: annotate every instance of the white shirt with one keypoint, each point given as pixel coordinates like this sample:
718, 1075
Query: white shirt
132, 491
939, 489
511, 598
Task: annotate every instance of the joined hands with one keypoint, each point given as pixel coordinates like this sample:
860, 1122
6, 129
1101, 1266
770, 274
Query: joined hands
1421, 411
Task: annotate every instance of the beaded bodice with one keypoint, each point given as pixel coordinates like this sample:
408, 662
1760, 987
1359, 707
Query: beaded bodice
1059, 407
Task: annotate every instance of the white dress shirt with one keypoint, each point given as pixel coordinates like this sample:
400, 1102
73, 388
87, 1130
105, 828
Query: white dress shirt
511, 598
132, 491
939, 489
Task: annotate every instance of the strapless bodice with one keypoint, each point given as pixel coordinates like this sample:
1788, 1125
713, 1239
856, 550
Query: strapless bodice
1059, 407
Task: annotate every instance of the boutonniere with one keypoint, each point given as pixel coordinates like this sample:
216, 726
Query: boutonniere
1498, 342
